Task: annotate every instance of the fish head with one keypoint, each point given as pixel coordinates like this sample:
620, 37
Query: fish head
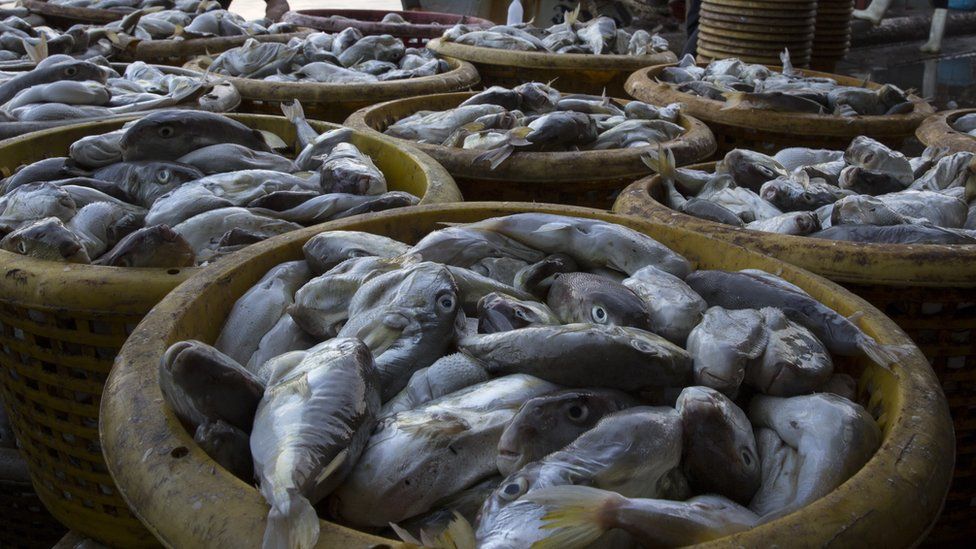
537, 97
720, 447
46, 239
157, 246
491, 516
548, 423
516, 525
501, 313
160, 135
751, 169
861, 210
806, 222
80, 71
589, 298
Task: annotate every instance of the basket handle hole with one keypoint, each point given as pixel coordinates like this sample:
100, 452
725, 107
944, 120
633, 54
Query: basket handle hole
179, 452
173, 271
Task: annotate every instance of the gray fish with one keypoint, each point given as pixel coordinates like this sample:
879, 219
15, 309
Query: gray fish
435, 127
501, 313
776, 101
833, 437
157, 246
326, 250
673, 307
720, 455
792, 158
865, 181
562, 128
584, 297
748, 290
583, 355
48, 239
230, 157
751, 169
78, 71
536, 279
258, 310
69, 92
382, 47
871, 155
548, 423
168, 135
347, 170
795, 362
182, 203
100, 226
448, 374
864, 209
432, 524
202, 385
228, 446
284, 337
456, 435
800, 192
722, 346
49, 169
895, 234
254, 59
147, 180
98, 151
791, 223
464, 247
32, 202
204, 231
309, 431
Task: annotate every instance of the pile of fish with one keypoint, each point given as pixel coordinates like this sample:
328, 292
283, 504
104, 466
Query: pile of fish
750, 86
181, 188
209, 22
598, 36
345, 57
63, 88
128, 6
537, 117
965, 124
529, 375
20, 41
867, 193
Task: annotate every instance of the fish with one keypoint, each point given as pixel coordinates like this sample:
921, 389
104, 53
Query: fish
347, 170
76, 71
145, 181
747, 290
229, 157
311, 426
32, 202
48, 169
588, 298
775, 101
382, 47
69, 92
871, 155
456, 434
791, 223
156, 246
674, 309
98, 151
548, 423
442, 519
465, 247
500, 313
953, 170
284, 337
537, 278
562, 127
46, 238
407, 318
723, 345
800, 192
203, 231
794, 362
254, 59
448, 374
869, 182
435, 127
895, 234
865, 210
583, 355
326, 250
101, 225
202, 385
259, 308
576, 516
719, 450
182, 203
591, 243
741, 201
170, 134
228, 446
833, 438
792, 158
751, 169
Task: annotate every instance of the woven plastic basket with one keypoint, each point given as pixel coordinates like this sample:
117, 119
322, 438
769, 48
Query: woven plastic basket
61, 326
189, 501
583, 178
572, 72
25, 523
335, 102
937, 130
768, 131
930, 291
423, 25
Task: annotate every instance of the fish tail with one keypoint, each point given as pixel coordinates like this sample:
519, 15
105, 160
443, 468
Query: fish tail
292, 522
457, 535
36, 53
294, 112
882, 355
575, 514
495, 157
571, 17
784, 57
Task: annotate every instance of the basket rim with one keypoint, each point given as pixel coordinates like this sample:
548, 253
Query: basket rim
154, 50
697, 141
462, 75
936, 265
937, 131
542, 60
138, 433
318, 19
643, 85
24, 278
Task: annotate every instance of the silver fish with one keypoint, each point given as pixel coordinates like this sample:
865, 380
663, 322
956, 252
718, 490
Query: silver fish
448, 374
584, 297
795, 362
673, 307
723, 344
326, 250
157, 246
46, 238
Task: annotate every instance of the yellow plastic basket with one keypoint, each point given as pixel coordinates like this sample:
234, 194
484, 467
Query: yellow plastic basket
186, 500
61, 326
937, 131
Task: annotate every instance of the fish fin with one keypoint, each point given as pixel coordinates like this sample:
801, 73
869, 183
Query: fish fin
571, 17
882, 355
36, 53
293, 112
407, 537
292, 521
472, 127
517, 136
855, 317
178, 31
495, 157
784, 57
272, 140
734, 100
457, 535
333, 465
574, 512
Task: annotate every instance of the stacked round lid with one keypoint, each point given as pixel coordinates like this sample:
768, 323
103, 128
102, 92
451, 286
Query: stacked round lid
757, 31
832, 34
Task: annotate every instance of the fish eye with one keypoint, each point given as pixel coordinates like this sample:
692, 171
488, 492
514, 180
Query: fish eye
166, 132
163, 176
22, 247
868, 158
519, 313
746, 458
446, 302
807, 196
70, 71
514, 489
578, 412
598, 314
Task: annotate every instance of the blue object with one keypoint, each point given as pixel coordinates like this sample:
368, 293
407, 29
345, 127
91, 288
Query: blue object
962, 5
